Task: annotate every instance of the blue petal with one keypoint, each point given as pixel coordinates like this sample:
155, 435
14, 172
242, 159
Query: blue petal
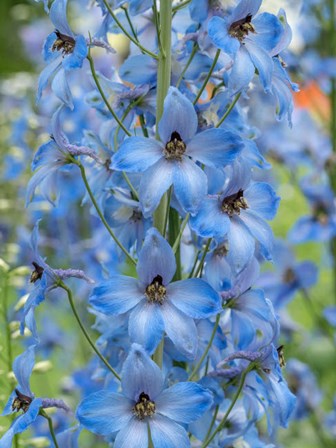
245, 8
194, 297
137, 154
199, 10
135, 434
184, 402
284, 400
241, 245
259, 229
154, 183
140, 374
75, 59
242, 72
215, 147
242, 329
59, 18
139, 69
218, 33
104, 412
190, 185
146, 325
117, 295
45, 75
156, 258
268, 31
168, 434
178, 116
262, 199
210, 221
263, 63
23, 367
181, 329
61, 89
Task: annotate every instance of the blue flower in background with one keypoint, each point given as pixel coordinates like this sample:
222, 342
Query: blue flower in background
169, 162
154, 303
249, 41
144, 403
64, 51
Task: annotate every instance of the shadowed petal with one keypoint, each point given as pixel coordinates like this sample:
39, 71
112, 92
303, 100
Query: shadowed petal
59, 18
241, 244
168, 434
263, 63
262, 199
210, 221
135, 434
260, 229
61, 88
23, 367
242, 71
137, 154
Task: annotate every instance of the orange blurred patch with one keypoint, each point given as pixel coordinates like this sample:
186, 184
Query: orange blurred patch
312, 98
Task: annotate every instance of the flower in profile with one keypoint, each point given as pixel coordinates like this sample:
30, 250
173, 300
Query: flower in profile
144, 406
23, 399
153, 303
64, 51
172, 161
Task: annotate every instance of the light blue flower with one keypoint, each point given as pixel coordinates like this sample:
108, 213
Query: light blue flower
144, 403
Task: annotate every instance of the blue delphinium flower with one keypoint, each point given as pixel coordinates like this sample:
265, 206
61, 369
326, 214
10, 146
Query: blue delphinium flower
239, 214
22, 398
144, 403
154, 303
249, 41
64, 51
169, 162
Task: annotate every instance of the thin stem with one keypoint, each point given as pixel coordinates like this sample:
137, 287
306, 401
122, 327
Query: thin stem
131, 38
170, 191
125, 114
194, 264
201, 263
206, 351
179, 236
181, 5
129, 183
174, 230
130, 23
158, 354
212, 68
157, 26
51, 428
100, 214
191, 57
143, 125
234, 401
212, 422
84, 331
96, 80
232, 105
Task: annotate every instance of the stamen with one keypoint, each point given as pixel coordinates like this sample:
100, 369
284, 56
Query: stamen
144, 407
233, 203
64, 43
241, 28
156, 292
21, 402
37, 273
175, 148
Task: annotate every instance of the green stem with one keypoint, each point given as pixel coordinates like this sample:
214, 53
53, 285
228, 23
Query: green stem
51, 428
143, 125
191, 57
232, 105
129, 183
131, 38
179, 236
212, 422
212, 68
102, 94
234, 401
157, 26
84, 331
129, 21
100, 214
174, 231
206, 351
201, 263
158, 354
181, 5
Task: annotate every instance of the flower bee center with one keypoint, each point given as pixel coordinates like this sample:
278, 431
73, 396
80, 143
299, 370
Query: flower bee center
241, 28
144, 407
233, 203
289, 276
320, 213
21, 402
64, 43
156, 292
136, 216
175, 148
37, 273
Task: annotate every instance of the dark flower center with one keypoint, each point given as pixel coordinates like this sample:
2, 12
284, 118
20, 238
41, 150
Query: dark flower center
175, 148
37, 273
233, 203
282, 361
320, 213
156, 292
64, 43
136, 216
221, 251
289, 276
241, 28
144, 407
21, 402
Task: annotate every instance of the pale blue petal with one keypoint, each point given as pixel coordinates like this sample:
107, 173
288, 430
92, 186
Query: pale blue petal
218, 33
215, 147
168, 434
241, 245
146, 325
262, 199
181, 329
194, 297
137, 154
190, 185
117, 295
140, 374
45, 75
184, 402
156, 258
245, 8
154, 183
268, 31
59, 18
23, 367
259, 229
104, 412
178, 116
139, 69
75, 59
61, 88
263, 63
134, 435
242, 72
210, 221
